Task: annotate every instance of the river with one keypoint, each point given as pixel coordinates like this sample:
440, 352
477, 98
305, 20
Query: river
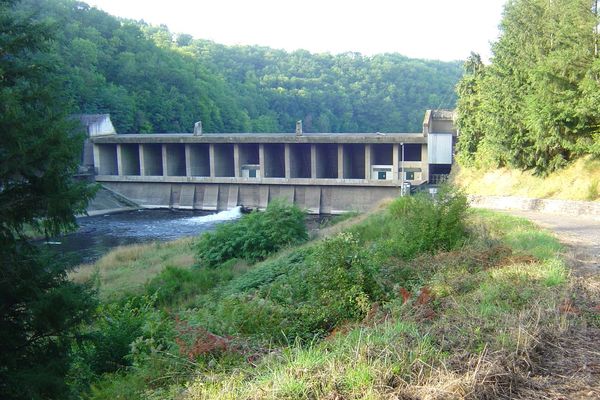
99, 234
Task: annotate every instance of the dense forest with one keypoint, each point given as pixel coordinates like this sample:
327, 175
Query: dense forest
537, 105
151, 80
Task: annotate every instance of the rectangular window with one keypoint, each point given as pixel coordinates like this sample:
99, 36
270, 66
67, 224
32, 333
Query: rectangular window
252, 173
410, 176
381, 175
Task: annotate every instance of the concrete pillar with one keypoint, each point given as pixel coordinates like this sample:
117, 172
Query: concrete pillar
96, 159
397, 152
424, 163
119, 160
261, 160
142, 161
340, 161
188, 160
287, 162
211, 159
236, 160
165, 164
313, 161
368, 162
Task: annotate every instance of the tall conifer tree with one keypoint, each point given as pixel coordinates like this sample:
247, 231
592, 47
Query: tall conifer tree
537, 104
40, 310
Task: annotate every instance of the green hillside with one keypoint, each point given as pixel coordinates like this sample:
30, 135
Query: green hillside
151, 80
419, 299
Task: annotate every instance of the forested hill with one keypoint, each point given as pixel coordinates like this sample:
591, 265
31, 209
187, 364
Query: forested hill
151, 80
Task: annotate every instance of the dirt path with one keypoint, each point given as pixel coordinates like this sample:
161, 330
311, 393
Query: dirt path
569, 361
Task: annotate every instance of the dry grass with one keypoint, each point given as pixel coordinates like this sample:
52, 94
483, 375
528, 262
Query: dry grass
580, 181
126, 269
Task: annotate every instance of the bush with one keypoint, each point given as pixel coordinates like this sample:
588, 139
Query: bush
424, 224
341, 282
119, 331
173, 286
299, 295
254, 236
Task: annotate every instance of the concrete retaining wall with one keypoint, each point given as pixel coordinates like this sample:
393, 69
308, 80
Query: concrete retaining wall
551, 206
218, 196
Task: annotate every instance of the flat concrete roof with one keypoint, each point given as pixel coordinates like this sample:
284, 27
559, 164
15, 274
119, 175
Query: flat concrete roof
375, 138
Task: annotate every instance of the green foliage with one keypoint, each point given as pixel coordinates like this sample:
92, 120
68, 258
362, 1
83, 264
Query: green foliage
341, 284
40, 315
274, 313
429, 224
299, 295
176, 285
536, 106
150, 80
123, 334
40, 309
418, 224
254, 236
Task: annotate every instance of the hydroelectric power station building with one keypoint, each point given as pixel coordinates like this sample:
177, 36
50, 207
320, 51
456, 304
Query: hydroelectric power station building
320, 172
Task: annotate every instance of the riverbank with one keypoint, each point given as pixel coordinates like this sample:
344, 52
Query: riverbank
454, 323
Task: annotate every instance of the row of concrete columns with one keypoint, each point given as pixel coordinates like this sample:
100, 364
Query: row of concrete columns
272, 160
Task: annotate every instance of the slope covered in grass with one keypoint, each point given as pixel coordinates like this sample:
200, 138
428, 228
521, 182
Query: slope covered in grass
423, 298
578, 181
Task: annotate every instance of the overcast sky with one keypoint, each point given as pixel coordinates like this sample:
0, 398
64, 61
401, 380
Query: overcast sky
434, 29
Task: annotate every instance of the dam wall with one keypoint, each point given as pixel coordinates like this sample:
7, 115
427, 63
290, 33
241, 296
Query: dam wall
320, 172
330, 199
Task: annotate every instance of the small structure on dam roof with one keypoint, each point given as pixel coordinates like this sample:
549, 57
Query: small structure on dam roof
322, 172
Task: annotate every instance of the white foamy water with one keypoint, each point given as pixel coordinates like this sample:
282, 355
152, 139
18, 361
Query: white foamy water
228, 215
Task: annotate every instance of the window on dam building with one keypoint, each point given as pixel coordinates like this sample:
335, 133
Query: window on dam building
412, 152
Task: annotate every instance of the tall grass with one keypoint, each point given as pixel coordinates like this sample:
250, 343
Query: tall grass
125, 270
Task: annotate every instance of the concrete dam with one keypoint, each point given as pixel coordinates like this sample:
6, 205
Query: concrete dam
319, 172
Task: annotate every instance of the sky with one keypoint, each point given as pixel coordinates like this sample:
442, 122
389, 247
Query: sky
432, 29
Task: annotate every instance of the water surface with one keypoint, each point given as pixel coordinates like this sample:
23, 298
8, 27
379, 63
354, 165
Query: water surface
99, 234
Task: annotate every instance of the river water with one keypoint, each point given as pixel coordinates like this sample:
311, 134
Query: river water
99, 234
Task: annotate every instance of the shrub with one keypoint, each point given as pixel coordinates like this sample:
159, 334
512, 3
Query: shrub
173, 285
299, 295
119, 330
425, 224
254, 236
342, 282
